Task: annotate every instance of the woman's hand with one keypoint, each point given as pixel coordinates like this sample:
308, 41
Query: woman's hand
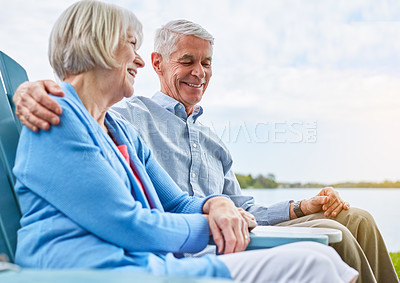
251, 220
227, 225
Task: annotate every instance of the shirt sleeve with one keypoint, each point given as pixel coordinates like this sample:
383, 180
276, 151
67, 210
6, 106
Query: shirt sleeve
67, 169
265, 215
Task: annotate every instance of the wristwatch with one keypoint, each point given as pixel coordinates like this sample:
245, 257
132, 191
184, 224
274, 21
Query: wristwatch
297, 209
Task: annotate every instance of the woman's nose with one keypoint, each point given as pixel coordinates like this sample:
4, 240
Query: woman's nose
139, 61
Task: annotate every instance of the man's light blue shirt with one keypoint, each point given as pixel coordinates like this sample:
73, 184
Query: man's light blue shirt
192, 154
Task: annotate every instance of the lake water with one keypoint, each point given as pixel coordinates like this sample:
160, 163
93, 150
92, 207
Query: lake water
383, 204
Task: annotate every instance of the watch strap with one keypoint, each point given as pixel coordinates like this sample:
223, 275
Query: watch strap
297, 209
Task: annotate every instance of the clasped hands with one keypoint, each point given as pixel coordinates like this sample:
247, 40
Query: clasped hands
229, 225
327, 200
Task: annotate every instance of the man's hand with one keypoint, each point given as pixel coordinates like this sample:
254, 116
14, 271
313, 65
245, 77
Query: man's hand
327, 200
334, 204
34, 107
227, 226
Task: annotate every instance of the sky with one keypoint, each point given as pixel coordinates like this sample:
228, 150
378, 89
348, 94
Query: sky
307, 90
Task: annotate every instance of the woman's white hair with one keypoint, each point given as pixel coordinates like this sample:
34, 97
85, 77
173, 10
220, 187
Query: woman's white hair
87, 34
166, 37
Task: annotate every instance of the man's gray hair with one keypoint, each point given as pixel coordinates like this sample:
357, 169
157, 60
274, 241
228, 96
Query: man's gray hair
87, 34
166, 37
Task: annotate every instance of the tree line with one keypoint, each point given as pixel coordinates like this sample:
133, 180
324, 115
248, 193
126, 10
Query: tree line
269, 181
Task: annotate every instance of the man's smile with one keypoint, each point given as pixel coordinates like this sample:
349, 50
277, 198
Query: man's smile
194, 85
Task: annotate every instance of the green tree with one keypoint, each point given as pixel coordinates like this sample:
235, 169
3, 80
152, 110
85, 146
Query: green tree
245, 181
265, 181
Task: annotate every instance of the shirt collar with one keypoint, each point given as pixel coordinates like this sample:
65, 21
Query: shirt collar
175, 106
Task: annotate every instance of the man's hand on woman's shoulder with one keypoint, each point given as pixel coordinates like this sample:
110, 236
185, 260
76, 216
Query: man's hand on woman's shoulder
34, 107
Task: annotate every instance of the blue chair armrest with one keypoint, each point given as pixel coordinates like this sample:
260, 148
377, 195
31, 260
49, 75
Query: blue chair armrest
271, 236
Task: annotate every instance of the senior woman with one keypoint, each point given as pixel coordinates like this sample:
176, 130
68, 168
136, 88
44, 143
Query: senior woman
92, 195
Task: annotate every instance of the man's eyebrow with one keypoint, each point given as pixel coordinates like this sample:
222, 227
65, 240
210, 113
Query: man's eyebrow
187, 57
191, 57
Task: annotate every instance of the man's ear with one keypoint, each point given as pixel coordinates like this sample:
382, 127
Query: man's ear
156, 61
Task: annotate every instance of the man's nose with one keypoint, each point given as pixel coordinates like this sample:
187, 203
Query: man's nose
199, 71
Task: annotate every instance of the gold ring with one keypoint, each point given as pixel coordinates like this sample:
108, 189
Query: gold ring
246, 237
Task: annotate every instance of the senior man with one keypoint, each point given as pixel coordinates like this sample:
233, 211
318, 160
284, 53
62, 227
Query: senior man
197, 159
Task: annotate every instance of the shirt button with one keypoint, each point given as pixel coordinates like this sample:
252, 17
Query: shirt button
193, 175
194, 145
180, 106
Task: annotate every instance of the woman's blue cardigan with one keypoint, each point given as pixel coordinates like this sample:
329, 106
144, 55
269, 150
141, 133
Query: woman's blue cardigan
83, 209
